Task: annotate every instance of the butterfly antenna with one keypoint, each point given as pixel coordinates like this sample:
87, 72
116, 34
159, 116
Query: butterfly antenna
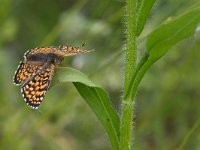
83, 44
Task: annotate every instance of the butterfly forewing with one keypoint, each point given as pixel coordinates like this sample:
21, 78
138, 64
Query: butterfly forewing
45, 50
25, 71
69, 51
36, 87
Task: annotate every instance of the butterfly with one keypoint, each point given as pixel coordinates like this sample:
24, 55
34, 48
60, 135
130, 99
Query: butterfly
35, 72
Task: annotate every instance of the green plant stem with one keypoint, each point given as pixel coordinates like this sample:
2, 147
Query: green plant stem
142, 67
130, 64
131, 51
189, 134
140, 70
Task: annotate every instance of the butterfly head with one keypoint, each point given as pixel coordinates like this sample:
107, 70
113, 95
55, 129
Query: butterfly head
58, 60
55, 59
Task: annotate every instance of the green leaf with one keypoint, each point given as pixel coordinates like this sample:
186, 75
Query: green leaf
162, 39
145, 7
170, 33
96, 98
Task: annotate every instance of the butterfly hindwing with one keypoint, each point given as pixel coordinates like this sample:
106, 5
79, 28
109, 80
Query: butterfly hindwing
36, 87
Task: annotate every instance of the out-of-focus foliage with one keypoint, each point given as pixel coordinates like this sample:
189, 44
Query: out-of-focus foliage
167, 101
64, 120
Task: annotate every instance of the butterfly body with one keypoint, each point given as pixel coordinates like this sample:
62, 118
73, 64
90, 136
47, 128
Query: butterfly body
36, 71
44, 58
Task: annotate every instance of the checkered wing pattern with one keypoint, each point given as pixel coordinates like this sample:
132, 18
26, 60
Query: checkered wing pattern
25, 71
60, 51
69, 50
36, 87
44, 50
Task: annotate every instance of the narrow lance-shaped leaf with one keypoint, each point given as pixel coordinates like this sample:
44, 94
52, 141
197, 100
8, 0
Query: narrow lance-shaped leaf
168, 34
96, 98
145, 7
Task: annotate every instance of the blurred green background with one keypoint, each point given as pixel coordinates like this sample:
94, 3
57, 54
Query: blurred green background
168, 98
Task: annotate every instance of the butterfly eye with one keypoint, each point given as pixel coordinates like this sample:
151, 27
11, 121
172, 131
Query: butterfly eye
58, 60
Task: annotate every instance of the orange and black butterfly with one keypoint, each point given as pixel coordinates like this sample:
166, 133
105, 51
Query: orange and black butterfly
36, 71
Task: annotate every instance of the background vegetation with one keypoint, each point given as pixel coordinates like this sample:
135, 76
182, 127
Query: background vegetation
167, 105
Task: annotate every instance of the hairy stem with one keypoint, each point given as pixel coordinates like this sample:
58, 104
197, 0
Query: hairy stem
130, 64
